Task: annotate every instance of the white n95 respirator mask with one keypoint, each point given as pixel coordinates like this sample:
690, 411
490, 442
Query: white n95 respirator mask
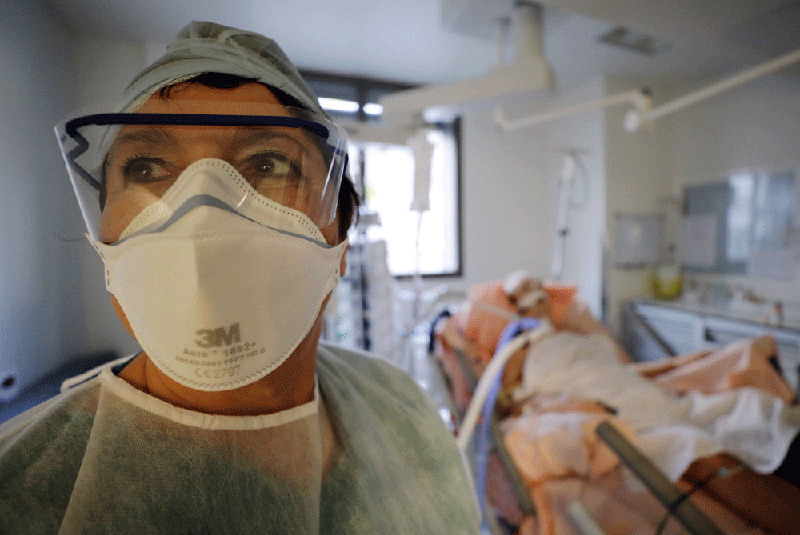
219, 295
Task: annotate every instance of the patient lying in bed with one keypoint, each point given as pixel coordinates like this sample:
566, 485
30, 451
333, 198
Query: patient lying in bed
690, 415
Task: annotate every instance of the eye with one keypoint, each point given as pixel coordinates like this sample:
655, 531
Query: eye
270, 164
145, 169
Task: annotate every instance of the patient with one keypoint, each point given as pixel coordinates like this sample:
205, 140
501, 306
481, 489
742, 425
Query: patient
694, 416
477, 326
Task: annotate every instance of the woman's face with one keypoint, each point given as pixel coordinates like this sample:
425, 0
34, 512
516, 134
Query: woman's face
281, 163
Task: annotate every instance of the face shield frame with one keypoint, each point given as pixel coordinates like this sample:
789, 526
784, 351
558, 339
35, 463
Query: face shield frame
332, 139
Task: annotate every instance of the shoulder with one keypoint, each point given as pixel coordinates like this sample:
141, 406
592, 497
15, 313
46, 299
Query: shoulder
395, 436
353, 359
41, 451
369, 376
65, 410
389, 405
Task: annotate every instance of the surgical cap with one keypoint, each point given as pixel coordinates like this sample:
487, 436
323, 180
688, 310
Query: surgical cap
203, 47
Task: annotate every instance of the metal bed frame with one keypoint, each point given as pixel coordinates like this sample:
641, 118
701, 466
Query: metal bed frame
676, 502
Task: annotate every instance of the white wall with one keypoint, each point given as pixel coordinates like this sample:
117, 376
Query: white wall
102, 69
756, 126
583, 254
53, 303
38, 218
639, 176
509, 195
504, 195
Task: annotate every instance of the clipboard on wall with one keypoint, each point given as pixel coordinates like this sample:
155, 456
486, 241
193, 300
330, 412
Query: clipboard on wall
638, 239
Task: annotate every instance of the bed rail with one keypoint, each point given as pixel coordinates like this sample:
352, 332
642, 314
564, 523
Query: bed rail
639, 338
668, 494
515, 479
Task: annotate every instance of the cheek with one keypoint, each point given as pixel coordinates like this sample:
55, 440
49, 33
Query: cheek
121, 315
331, 232
119, 211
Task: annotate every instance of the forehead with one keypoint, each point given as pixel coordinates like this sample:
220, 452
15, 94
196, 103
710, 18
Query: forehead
194, 98
248, 99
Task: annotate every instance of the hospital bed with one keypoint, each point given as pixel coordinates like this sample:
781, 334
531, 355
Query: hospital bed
720, 487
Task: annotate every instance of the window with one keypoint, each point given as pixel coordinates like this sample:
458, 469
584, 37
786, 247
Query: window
388, 172
739, 217
384, 176
747, 217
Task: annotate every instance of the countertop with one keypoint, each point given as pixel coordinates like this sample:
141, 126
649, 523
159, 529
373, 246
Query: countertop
756, 314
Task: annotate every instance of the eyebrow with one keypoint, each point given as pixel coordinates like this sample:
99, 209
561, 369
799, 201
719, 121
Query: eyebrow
151, 134
254, 135
243, 137
307, 143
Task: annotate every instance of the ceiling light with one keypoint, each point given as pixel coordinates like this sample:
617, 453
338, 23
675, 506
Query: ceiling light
373, 109
338, 105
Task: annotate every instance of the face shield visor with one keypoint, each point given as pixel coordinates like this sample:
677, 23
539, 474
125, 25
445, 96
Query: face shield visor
122, 163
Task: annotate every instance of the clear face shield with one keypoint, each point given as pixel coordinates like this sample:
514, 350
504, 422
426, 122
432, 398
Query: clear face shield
122, 164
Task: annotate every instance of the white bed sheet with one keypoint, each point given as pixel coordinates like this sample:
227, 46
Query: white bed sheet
671, 430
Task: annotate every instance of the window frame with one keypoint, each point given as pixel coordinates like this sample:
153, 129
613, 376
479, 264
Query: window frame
362, 86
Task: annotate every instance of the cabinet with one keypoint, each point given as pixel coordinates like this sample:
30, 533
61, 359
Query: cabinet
680, 330
684, 330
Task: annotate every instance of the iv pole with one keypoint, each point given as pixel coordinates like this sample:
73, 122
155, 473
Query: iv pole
562, 214
565, 185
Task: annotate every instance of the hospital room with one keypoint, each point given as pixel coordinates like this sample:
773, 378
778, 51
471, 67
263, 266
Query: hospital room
424, 266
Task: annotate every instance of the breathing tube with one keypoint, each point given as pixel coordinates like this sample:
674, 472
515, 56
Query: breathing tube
488, 388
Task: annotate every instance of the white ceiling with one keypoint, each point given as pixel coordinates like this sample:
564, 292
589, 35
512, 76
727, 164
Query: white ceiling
405, 40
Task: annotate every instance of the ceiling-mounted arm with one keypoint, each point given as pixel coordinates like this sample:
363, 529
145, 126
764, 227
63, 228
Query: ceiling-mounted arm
527, 74
527, 29
639, 117
501, 40
640, 98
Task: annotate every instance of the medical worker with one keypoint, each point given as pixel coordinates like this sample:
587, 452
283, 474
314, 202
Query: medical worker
216, 193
